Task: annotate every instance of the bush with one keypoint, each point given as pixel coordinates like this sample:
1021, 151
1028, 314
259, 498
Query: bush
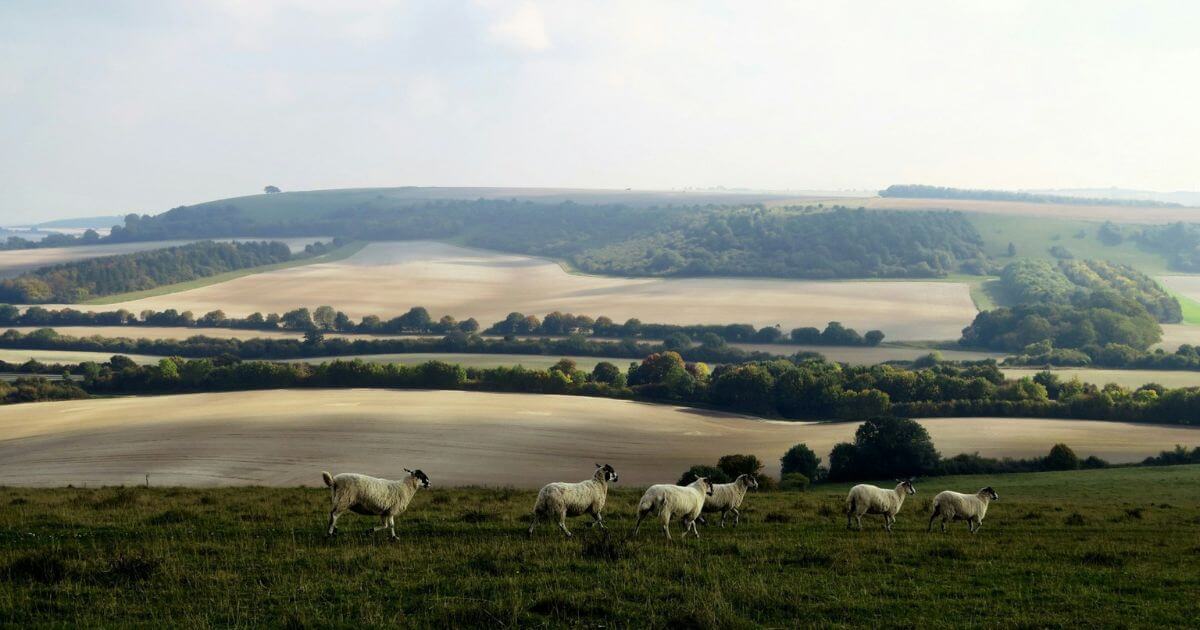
1061, 457
712, 473
800, 459
734, 465
793, 482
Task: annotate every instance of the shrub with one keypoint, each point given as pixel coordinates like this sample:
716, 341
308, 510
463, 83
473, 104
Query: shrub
712, 473
795, 482
800, 459
1061, 457
734, 465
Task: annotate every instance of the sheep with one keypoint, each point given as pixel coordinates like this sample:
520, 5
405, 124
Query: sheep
956, 506
670, 500
372, 496
572, 499
867, 499
726, 497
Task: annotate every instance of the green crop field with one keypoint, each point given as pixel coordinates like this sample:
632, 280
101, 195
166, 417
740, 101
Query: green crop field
1109, 548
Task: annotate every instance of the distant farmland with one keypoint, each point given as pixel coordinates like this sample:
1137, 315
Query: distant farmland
286, 437
389, 278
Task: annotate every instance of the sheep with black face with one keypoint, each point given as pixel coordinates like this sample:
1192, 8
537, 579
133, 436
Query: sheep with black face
560, 499
868, 499
668, 500
956, 506
372, 496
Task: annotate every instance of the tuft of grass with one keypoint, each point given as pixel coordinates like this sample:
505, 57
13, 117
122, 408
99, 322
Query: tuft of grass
604, 547
777, 517
131, 568
1102, 559
1075, 519
171, 517
43, 567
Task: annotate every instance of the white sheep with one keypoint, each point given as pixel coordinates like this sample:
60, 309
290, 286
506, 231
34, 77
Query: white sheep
572, 499
727, 497
670, 500
956, 506
868, 499
361, 494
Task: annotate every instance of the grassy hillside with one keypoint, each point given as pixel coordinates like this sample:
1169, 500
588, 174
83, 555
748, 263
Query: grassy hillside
1096, 548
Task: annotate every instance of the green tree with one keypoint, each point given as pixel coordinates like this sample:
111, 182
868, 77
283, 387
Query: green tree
1061, 457
800, 459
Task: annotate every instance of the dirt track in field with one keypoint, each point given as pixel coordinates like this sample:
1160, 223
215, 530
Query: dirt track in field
286, 437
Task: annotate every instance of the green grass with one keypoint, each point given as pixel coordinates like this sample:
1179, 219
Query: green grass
341, 253
1189, 307
1034, 236
1081, 549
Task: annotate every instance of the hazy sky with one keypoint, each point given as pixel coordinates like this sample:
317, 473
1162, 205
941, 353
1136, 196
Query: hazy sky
110, 107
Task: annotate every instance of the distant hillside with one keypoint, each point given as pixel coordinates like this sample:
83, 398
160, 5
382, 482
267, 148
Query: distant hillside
1179, 197
613, 232
84, 223
916, 191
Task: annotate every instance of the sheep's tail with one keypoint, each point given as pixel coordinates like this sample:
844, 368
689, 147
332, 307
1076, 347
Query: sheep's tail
649, 503
328, 478
850, 505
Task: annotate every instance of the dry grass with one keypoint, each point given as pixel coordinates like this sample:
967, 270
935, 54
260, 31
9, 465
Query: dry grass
67, 356
389, 278
286, 437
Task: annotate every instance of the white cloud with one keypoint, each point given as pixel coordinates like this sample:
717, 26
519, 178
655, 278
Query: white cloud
523, 28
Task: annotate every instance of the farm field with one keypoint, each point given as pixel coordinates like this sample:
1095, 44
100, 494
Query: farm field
392, 277
286, 437
1128, 378
1099, 548
68, 356
13, 262
1114, 213
1175, 335
531, 361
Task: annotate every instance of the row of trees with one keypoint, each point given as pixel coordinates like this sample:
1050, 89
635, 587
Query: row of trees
418, 321
801, 388
679, 336
1090, 321
84, 279
941, 192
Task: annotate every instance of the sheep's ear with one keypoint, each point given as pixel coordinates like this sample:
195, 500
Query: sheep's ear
597, 465
408, 471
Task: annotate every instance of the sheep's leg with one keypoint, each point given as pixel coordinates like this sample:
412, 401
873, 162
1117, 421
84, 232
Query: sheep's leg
665, 517
333, 517
392, 526
737, 517
887, 523
532, 524
598, 520
383, 524
641, 515
562, 523
858, 519
723, 513
692, 526
932, 518
973, 525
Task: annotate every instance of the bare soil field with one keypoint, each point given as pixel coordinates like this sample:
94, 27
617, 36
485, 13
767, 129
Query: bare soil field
286, 437
387, 279
1127, 378
1116, 214
13, 262
1175, 335
68, 356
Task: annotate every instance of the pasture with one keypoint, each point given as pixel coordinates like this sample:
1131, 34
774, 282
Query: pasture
285, 437
1101, 548
68, 356
389, 278
1077, 212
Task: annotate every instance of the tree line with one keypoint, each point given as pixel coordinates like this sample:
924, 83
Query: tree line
800, 388
920, 191
417, 320
82, 280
